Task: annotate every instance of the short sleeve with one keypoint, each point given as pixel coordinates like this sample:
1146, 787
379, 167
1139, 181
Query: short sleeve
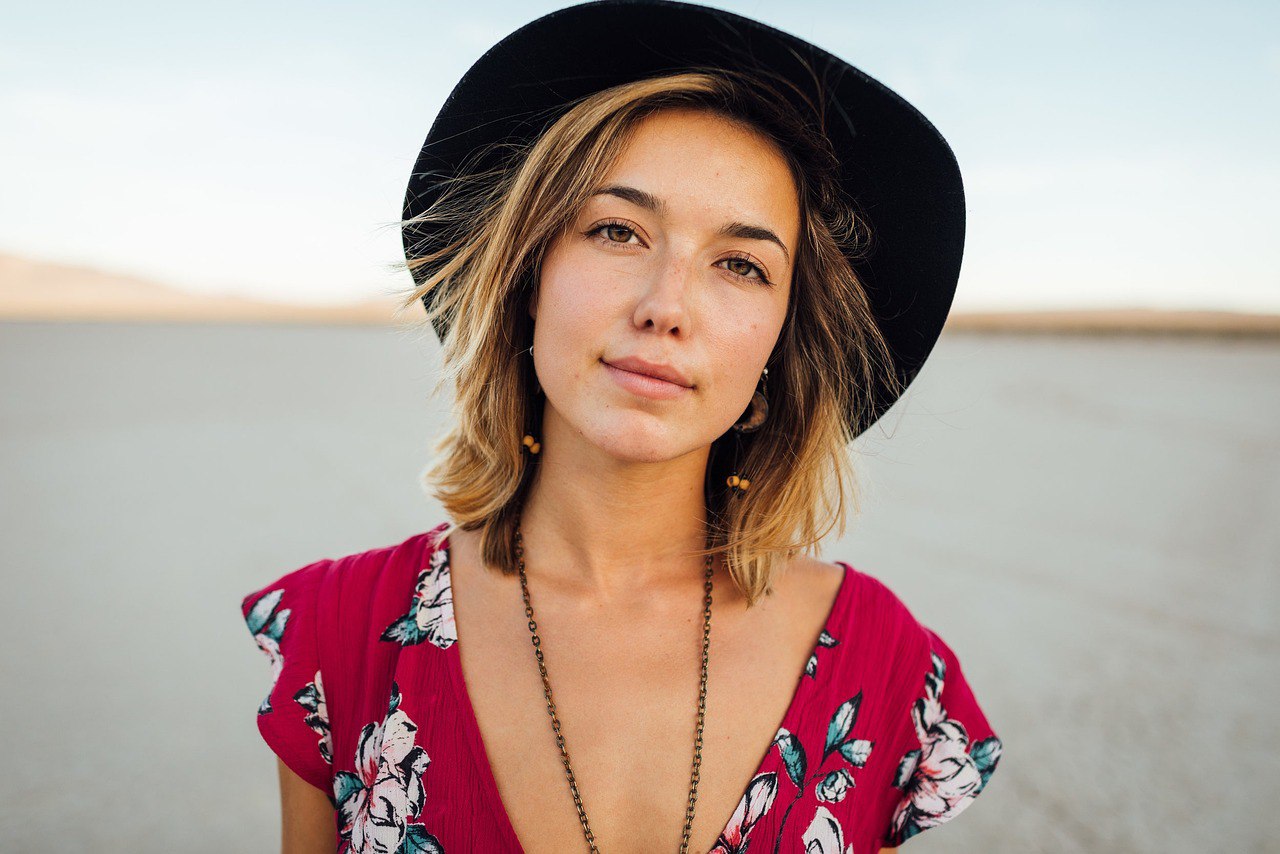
293, 718
951, 753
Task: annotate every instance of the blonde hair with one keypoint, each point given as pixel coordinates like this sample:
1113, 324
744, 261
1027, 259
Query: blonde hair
481, 276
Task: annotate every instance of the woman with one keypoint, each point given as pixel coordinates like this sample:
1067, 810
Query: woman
654, 290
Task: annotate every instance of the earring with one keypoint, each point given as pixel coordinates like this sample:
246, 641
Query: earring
528, 441
759, 412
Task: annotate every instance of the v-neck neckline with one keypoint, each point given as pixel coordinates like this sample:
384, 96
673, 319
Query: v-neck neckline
472, 724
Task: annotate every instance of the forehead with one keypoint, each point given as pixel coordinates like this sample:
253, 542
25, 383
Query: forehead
698, 161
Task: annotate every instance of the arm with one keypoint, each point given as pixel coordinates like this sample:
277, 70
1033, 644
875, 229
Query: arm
306, 816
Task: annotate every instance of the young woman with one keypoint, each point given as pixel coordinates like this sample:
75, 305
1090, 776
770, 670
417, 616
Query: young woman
672, 283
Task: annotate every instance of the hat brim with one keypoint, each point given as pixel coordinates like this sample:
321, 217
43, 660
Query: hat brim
893, 162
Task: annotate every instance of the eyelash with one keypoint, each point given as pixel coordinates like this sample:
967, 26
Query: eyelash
616, 224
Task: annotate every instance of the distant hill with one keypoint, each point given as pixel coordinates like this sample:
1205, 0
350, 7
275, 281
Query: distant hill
1119, 321
42, 290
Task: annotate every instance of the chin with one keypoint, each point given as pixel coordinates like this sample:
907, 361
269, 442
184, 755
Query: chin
637, 439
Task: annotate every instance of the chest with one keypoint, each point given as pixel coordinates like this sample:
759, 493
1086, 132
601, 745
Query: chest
625, 692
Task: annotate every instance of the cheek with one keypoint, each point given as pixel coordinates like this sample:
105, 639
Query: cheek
739, 354
576, 292
571, 328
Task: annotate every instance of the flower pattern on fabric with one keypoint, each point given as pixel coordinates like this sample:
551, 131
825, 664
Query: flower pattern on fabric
311, 698
430, 616
830, 786
825, 835
267, 623
944, 776
376, 803
754, 805
817, 792
824, 640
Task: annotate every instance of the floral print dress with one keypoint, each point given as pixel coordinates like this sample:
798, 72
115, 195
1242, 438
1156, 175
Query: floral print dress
883, 738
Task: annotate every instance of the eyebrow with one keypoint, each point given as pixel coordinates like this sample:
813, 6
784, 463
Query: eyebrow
650, 202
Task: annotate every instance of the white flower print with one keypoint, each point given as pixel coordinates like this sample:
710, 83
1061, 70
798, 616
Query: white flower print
376, 802
754, 805
311, 698
824, 640
943, 777
825, 835
430, 616
832, 788
267, 622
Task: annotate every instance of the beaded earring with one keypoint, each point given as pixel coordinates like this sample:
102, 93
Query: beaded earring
759, 411
528, 442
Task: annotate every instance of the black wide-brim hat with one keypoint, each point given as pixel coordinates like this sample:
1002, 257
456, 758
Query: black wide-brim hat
894, 164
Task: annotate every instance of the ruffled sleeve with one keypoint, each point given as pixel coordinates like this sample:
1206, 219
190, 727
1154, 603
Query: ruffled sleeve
951, 753
293, 718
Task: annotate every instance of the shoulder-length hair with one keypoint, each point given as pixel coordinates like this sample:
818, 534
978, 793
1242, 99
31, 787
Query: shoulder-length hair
498, 224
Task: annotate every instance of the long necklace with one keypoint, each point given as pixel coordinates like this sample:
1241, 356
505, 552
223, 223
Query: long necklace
555, 721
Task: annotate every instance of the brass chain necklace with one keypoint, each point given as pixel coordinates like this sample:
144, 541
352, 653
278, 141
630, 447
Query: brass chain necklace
555, 721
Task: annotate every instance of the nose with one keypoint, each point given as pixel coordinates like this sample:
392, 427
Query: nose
664, 302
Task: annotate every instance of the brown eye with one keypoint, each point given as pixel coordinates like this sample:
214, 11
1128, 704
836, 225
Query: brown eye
744, 267
613, 230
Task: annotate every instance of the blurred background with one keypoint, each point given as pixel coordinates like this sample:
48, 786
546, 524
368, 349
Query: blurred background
204, 386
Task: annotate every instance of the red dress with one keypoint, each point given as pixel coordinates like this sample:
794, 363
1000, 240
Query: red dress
882, 739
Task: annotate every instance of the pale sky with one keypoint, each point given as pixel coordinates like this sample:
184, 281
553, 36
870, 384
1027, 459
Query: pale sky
1114, 154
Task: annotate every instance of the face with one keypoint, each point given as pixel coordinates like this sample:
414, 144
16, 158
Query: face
683, 258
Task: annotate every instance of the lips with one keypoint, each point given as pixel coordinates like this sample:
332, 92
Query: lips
657, 370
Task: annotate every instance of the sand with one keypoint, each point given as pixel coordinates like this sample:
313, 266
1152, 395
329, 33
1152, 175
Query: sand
1089, 522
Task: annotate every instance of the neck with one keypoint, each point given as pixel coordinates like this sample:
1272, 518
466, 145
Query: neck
603, 527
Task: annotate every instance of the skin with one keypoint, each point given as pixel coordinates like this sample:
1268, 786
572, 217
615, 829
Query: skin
617, 506
307, 817
618, 501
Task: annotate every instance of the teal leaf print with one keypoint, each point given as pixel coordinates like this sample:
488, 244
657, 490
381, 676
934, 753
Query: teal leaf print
430, 615
793, 757
841, 724
857, 751
276, 627
267, 622
263, 612
986, 754
418, 841
345, 786
830, 787
404, 631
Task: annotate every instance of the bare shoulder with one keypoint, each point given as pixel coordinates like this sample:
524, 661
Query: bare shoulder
814, 571
813, 584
